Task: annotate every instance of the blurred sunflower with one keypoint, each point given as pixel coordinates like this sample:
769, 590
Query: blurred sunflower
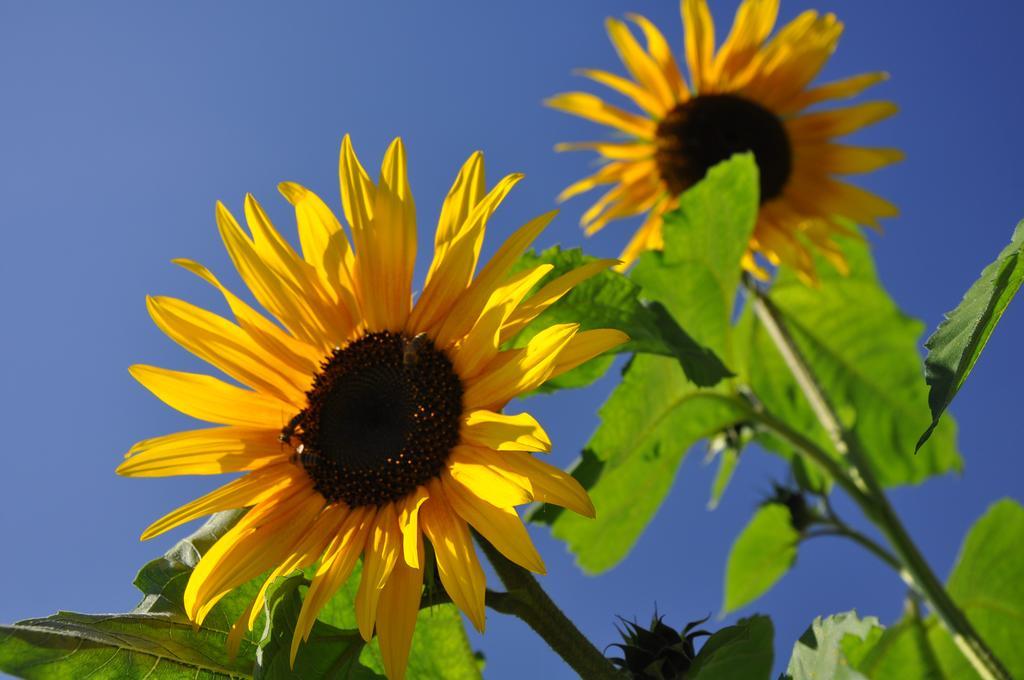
749, 96
367, 421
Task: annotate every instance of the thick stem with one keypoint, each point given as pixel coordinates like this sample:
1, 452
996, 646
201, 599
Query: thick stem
526, 600
871, 497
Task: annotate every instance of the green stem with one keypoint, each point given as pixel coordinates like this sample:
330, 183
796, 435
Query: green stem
526, 600
865, 542
867, 492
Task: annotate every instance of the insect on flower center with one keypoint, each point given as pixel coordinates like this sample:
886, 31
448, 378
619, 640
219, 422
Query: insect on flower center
708, 129
382, 416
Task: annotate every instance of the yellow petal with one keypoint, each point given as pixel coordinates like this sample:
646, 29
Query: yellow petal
613, 150
381, 553
593, 108
483, 340
845, 160
277, 294
467, 309
452, 269
338, 561
546, 483
260, 541
549, 294
324, 244
640, 65
610, 173
308, 549
298, 355
837, 122
585, 346
467, 190
641, 97
659, 50
209, 451
751, 27
502, 432
212, 400
469, 474
246, 491
412, 544
357, 191
699, 35
500, 526
457, 564
387, 253
840, 89
228, 347
521, 370
401, 600
335, 320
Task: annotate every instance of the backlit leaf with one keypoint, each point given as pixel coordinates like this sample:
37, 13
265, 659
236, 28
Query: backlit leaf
647, 426
957, 343
863, 351
822, 651
762, 554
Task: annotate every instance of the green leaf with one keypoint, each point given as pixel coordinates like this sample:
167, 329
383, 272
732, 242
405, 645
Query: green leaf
762, 554
610, 300
329, 653
728, 459
740, 651
988, 583
116, 646
957, 343
903, 651
863, 350
156, 637
823, 652
654, 416
697, 275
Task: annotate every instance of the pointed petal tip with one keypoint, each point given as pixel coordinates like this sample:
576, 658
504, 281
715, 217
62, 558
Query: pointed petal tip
292, 192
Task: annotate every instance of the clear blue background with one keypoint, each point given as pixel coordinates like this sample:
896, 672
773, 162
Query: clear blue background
122, 123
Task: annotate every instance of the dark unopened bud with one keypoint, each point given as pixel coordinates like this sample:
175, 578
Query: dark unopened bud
657, 652
801, 514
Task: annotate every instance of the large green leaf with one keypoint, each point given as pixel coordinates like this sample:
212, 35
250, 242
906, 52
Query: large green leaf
329, 652
155, 639
863, 350
655, 415
762, 554
988, 586
988, 581
823, 652
116, 646
740, 651
697, 274
957, 343
647, 425
610, 300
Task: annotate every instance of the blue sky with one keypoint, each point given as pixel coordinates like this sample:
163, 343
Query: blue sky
121, 128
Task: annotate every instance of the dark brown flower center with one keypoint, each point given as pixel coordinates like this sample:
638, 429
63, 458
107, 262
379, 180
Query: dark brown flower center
706, 130
382, 416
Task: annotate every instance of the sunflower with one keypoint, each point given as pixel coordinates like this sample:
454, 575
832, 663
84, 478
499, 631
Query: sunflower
752, 95
364, 422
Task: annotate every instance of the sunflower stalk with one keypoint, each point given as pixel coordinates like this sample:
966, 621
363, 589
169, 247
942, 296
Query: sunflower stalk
858, 479
527, 600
